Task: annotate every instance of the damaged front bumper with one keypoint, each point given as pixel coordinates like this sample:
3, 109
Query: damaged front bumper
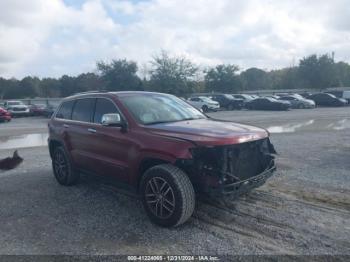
238, 188
231, 169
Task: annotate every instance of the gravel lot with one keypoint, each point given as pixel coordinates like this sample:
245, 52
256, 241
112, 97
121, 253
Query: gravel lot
303, 209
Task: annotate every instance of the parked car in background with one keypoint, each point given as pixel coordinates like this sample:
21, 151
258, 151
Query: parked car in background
246, 98
228, 101
273, 96
305, 94
297, 101
282, 94
37, 109
204, 103
160, 147
346, 95
341, 94
49, 110
268, 103
325, 99
5, 116
17, 108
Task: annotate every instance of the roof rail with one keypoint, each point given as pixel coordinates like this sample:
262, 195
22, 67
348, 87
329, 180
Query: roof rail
91, 91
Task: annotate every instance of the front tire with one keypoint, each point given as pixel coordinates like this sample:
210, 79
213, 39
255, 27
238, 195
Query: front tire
62, 168
167, 195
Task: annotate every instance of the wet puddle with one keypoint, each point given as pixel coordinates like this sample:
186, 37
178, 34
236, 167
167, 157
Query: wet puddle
289, 128
21, 141
311, 125
340, 125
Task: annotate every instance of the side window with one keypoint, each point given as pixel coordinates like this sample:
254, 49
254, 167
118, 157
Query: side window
103, 106
82, 110
65, 111
195, 99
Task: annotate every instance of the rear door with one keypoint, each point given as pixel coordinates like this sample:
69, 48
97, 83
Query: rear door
80, 133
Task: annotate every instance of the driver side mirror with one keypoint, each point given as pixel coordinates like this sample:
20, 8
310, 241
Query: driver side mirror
111, 120
114, 120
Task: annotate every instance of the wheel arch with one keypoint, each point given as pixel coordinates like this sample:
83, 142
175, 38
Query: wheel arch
54, 144
147, 163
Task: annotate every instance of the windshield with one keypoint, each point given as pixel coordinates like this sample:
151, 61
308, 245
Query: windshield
157, 108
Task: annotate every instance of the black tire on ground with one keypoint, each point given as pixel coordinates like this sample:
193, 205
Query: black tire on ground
167, 195
230, 107
205, 108
301, 106
63, 168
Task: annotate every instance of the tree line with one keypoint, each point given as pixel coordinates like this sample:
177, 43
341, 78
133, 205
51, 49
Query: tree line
180, 76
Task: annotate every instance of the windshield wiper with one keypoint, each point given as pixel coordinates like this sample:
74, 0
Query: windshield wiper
172, 121
160, 122
189, 118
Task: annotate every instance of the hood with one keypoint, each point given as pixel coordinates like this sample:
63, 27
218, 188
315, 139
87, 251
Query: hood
209, 132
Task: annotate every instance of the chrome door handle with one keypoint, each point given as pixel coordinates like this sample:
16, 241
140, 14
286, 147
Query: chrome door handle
91, 130
65, 126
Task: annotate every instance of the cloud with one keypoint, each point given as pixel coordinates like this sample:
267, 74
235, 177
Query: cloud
51, 38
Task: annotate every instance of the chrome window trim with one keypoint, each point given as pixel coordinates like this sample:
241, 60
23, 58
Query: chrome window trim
83, 122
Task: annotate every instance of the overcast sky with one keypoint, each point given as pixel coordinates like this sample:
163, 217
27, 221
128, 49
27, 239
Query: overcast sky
56, 37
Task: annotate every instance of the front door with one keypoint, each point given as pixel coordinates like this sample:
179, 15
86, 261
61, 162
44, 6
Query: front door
110, 146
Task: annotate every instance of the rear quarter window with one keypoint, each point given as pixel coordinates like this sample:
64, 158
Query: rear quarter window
65, 111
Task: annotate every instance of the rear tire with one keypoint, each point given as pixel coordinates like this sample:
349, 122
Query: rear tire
230, 107
167, 195
62, 168
205, 108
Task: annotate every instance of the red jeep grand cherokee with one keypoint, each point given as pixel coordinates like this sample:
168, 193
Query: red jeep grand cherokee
159, 145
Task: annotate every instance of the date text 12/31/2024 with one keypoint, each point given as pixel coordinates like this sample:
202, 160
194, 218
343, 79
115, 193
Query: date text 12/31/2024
173, 258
